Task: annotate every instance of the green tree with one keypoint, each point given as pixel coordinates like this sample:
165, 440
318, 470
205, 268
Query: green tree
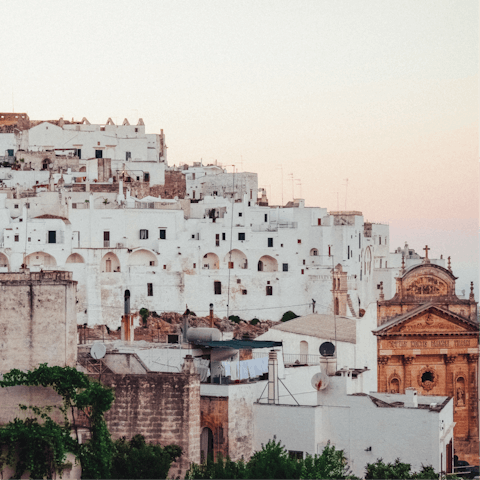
396, 470
138, 459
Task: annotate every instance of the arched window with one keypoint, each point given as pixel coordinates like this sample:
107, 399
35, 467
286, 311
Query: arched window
395, 385
337, 306
206, 444
314, 252
260, 266
303, 352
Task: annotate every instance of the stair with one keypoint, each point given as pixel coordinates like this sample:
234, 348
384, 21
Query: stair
350, 306
97, 367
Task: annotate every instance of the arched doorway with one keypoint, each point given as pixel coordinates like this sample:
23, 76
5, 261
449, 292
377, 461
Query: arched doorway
126, 298
206, 444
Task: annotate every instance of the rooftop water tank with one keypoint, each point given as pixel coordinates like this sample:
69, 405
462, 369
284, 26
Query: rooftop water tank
203, 335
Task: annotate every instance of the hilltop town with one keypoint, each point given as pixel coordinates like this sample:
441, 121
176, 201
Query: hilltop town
222, 320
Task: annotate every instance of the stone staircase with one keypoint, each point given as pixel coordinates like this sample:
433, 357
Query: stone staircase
350, 306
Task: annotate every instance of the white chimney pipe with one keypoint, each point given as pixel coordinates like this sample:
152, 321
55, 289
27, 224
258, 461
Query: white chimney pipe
272, 377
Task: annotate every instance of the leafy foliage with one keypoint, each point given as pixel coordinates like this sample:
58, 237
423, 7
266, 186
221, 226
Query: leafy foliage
144, 313
42, 447
234, 318
288, 316
273, 461
138, 459
397, 469
254, 321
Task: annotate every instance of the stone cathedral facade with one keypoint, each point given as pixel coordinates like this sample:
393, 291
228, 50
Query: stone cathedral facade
427, 338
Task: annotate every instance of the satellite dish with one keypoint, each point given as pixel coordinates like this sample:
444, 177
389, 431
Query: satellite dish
327, 349
320, 381
98, 351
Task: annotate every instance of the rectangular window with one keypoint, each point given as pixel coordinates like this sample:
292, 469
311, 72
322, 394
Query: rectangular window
164, 267
15, 206
223, 236
146, 177
194, 265
270, 242
241, 236
285, 267
17, 238
150, 289
329, 250
230, 265
143, 234
299, 241
98, 153
217, 239
152, 263
302, 271
10, 152
163, 234
29, 239
269, 290
379, 240
27, 205
239, 280
106, 239
240, 214
348, 252
128, 155
319, 221
78, 152
359, 241
380, 263
304, 262
244, 292
217, 288
266, 217
251, 194
52, 236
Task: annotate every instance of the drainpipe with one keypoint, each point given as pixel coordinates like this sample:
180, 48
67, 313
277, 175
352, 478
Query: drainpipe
272, 377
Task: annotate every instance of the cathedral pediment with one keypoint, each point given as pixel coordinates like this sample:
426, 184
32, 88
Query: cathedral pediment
427, 319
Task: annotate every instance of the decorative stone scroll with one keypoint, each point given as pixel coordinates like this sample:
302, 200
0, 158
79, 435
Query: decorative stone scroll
427, 285
432, 379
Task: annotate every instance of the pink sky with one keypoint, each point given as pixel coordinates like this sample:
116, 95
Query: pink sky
382, 93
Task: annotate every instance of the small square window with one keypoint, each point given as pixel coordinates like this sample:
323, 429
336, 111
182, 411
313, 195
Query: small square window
269, 290
20, 219
238, 280
164, 267
29, 239
150, 289
15, 206
241, 236
230, 265
152, 263
27, 205
17, 238
285, 267
281, 245
194, 265
240, 214
244, 292
136, 130
143, 234
299, 241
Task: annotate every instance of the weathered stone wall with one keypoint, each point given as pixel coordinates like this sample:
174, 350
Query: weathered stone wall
214, 415
175, 186
164, 407
34, 161
37, 320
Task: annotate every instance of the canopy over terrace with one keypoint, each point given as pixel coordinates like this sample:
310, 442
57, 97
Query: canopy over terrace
239, 344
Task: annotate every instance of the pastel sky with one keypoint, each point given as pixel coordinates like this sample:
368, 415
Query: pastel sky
382, 93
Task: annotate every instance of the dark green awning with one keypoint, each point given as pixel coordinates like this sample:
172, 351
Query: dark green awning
239, 344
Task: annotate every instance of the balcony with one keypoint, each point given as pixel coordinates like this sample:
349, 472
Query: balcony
296, 360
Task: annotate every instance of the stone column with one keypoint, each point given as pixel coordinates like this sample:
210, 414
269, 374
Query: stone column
471, 395
407, 361
382, 373
449, 380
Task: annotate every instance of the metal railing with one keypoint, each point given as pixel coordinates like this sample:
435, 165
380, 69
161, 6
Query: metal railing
291, 359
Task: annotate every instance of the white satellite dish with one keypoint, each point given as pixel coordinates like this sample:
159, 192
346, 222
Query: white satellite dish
98, 351
320, 381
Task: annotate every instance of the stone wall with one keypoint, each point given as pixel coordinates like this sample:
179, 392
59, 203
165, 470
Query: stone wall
38, 322
214, 415
175, 186
164, 407
35, 161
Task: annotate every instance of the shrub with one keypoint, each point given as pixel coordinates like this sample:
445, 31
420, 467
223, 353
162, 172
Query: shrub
254, 321
138, 459
288, 316
234, 319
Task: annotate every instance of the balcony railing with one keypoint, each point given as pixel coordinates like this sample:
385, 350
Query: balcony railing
295, 359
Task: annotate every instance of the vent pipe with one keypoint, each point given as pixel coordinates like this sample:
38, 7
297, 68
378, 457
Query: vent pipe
272, 377
211, 315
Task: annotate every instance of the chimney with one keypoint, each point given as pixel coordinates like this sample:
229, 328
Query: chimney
272, 377
411, 399
127, 330
211, 315
188, 366
185, 329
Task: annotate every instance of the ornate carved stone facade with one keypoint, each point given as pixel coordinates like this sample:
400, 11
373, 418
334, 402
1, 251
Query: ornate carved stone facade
427, 338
